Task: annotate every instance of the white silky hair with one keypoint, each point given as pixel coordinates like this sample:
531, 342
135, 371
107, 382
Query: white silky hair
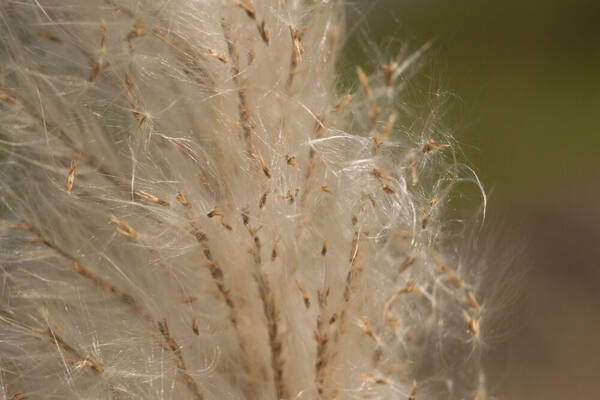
192, 210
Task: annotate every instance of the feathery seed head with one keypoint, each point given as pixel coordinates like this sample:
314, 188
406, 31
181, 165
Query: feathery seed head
193, 211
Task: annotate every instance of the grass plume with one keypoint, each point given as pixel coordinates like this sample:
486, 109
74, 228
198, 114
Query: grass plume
192, 210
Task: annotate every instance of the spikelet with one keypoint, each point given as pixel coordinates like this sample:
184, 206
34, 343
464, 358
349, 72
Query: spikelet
232, 227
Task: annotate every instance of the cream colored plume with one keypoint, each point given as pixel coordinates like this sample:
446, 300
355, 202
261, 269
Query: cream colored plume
192, 210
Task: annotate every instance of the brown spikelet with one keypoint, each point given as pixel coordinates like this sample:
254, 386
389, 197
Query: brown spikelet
245, 216
247, 6
188, 299
370, 378
291, 160
365, 325
326, 189
263, 200
123, 227
472, 301
263, 166
264, 33
195, 326
274, 252
218, 56
128, 82
304, 295
425, 220
343, 102
451, 276
413, 393
215, 212
71, 177
138, 30
323, 355
388, 71
48, 36
95, 71
182, 199
364, 82
298, 48
373, 113
297, 51
133, 102
89, 363
198, 233
103, 41
380, 175
413, 168
99, 66
153, 198
406, 264
388, 189
473, 324
430, 145
388, 126
324, 248
377, 142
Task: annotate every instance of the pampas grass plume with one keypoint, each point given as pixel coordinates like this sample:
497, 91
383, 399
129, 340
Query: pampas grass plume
192, 210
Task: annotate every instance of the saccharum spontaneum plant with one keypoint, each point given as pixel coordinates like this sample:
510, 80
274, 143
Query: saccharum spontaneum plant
192, 210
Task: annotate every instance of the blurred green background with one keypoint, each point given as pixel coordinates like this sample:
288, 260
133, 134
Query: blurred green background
525, 83
526, 76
